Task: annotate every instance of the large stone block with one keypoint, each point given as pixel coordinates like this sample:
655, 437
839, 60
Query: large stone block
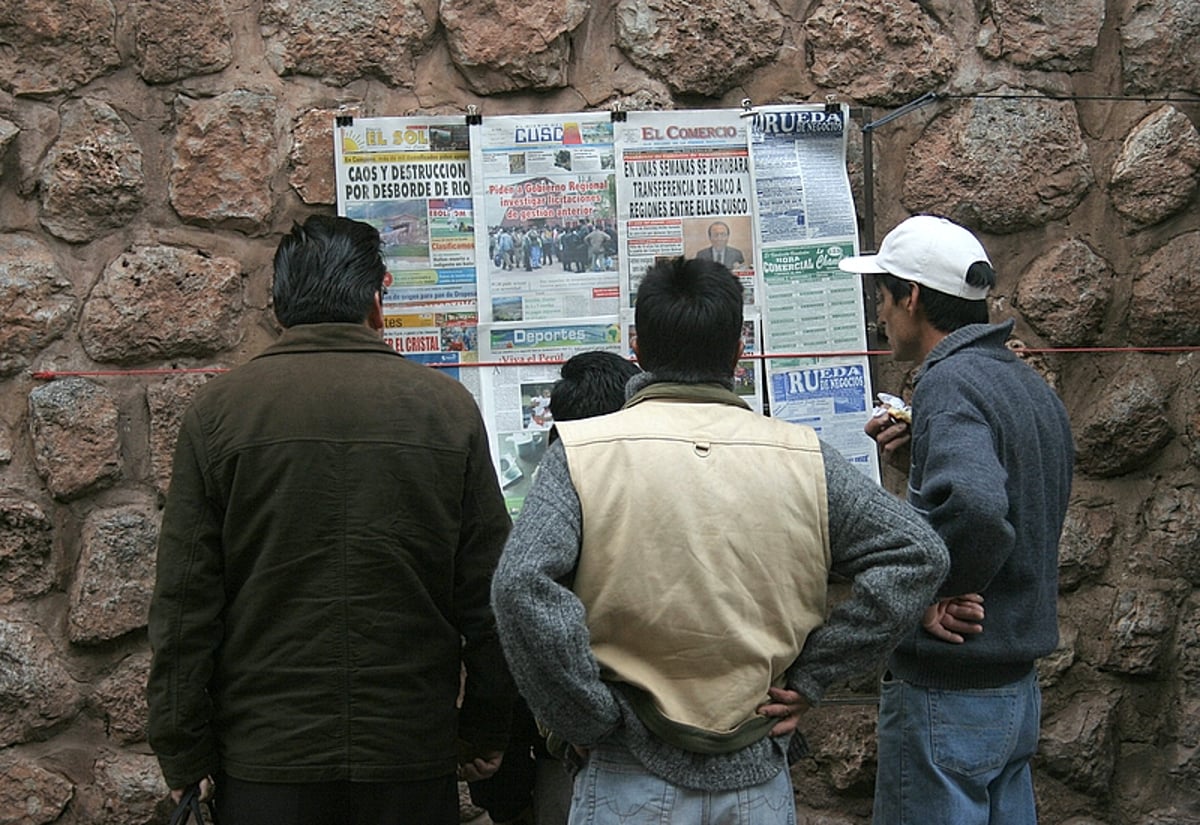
340, 41
227, 151
1159, 44
1164, 309
1078, 744
158, 302
73, 424
36, 692
52, 46
1057, 35
310, 161
1086, 543
26, 547
1139, 631
128, 790
972, 163
1125, 426
92, 179
705, 47
120, 700
877, 53
1155, 175
484, 48
1065, 294
114, 580
167, 403
30, 794
1171, 548
175, 39
37, 302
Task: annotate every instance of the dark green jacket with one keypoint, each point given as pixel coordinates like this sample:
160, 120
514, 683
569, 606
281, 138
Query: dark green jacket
328, 542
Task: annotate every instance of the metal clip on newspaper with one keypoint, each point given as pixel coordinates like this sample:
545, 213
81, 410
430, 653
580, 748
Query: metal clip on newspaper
474, 118
618, 114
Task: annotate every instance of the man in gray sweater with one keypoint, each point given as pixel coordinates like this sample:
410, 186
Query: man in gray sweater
661, 599
990, 467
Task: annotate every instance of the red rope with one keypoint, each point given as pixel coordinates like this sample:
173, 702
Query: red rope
49, 375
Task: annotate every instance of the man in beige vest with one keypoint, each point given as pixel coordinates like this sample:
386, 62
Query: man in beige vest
662, 598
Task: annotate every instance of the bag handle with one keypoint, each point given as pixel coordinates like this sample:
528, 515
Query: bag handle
189, 808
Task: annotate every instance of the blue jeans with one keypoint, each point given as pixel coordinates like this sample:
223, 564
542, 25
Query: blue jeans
957, 757
614, 789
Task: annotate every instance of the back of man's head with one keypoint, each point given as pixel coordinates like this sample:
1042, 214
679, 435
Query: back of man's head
327, 271
592, 383
689, 321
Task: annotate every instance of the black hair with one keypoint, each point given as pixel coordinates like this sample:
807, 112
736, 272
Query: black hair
689, 321
592, 383
327, 271
945, 313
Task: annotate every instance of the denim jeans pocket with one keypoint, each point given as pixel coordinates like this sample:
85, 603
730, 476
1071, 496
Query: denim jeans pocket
973, 731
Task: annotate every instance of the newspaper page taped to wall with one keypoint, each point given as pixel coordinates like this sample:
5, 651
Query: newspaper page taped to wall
806, 224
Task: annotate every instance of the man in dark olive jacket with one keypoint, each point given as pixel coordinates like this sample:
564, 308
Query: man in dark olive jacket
325, 560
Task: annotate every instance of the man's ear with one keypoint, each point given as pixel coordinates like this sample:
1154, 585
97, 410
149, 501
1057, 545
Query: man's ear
375, 316
911, 303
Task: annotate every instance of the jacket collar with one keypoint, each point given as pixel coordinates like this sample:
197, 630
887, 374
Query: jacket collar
692, 393
327, 338
989, 338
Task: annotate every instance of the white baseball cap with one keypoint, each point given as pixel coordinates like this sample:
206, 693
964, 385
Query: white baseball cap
928, 250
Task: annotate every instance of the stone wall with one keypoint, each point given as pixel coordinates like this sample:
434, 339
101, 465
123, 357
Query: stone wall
152, 151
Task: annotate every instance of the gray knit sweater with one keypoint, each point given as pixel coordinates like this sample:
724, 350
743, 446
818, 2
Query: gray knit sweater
992, 460
894, 559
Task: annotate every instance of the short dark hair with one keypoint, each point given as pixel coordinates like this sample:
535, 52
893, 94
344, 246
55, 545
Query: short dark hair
327, 271
945, 313
689, 320
592, 383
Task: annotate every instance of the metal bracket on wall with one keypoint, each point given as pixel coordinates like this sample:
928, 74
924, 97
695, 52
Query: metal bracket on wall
867, 235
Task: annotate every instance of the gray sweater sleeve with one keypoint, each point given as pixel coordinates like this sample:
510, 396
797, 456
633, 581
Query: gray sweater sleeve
895, 562
541, 621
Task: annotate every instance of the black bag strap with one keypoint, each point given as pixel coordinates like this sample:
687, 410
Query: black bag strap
189, 808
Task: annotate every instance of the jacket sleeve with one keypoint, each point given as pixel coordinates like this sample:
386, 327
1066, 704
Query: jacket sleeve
488, 692
960, 486
185, 624
894, 561
542, 622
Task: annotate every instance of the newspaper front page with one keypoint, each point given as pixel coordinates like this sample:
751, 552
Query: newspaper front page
548, 229
524, 361
807, 224
683, 188
410, 178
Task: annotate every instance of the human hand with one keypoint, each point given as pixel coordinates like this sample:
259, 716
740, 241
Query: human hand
949, 618
785, 705
481, 767
208, 786
893, 438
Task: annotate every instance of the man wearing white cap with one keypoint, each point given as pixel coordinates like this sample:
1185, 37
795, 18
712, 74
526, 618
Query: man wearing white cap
989, 459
